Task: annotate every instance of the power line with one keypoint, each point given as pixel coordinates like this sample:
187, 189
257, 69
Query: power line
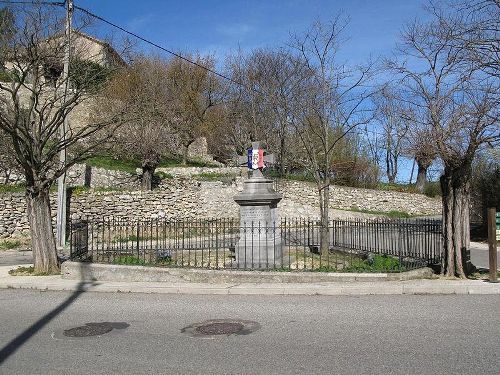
165, 49
55, 3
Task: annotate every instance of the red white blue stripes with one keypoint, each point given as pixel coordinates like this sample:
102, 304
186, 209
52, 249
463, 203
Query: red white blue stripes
255, 158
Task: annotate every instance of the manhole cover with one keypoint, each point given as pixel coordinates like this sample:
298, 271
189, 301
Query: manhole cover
93, 329
90, 329
221, 327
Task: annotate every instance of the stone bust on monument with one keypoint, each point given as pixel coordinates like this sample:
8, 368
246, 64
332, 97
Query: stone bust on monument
259, 245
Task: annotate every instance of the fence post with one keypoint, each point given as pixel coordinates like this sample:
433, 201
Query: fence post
492, 242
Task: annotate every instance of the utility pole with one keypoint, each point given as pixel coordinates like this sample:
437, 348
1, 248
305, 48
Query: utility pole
61, 181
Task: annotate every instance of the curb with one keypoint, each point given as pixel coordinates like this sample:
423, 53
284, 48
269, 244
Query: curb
332, 289
123, 273
410, 287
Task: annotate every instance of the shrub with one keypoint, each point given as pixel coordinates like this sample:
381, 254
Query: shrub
432, 189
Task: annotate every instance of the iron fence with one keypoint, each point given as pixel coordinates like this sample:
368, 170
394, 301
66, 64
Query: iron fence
290, 244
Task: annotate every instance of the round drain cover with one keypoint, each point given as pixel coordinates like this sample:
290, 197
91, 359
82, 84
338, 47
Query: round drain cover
89, 329
224, 328
221, 327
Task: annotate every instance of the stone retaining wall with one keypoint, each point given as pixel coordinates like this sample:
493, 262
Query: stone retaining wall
190, 198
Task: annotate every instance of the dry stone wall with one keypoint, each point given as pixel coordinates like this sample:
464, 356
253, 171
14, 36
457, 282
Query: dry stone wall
190, 198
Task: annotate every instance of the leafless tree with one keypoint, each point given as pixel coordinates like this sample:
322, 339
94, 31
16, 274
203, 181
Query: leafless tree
389, 112
195, 93
460, 103
8, 164
147, 134
262, 108
32, 110
330, 105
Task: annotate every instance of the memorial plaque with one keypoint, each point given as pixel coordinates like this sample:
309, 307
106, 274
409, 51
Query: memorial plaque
249, 214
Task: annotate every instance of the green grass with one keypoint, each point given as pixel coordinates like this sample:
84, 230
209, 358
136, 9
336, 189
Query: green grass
175, 161
27, 271
129, 260
392, 214
8, 245
130, 165
18, 188
114, 164
379, 263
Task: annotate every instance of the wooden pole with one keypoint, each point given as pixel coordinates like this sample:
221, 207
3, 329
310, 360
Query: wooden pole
492, 242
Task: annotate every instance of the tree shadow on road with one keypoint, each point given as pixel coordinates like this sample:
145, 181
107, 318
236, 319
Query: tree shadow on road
23, 337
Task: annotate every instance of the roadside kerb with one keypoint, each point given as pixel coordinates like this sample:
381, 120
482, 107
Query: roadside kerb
110, 272
409, 287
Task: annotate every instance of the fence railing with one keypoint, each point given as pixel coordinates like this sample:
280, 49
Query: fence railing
347, 245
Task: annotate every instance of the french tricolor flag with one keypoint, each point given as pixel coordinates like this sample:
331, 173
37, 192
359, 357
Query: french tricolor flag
255, 158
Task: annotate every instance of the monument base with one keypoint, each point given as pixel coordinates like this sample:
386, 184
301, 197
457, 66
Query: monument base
252, 253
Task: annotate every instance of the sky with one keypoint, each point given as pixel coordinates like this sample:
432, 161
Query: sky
220, 27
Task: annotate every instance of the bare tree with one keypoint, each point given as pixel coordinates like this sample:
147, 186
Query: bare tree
32, 110
475, 29
389, 112
147, 135
460, 103
8, 164
329, 107
422, 147
263, 107
195, 92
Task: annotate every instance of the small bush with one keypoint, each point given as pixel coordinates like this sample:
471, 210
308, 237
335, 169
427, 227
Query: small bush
432, 189
5, 76
78, 190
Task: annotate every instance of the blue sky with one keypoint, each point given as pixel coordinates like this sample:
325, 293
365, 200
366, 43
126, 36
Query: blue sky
220, 27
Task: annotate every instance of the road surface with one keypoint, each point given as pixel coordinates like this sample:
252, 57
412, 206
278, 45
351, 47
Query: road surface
297, 335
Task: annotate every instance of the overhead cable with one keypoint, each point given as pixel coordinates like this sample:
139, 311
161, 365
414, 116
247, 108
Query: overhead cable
165, 49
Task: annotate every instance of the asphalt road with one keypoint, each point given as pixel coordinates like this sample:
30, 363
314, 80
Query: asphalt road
297, 335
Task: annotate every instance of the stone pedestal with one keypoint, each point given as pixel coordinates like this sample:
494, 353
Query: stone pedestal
259, 245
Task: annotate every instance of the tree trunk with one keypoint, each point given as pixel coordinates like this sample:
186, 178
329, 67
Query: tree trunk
146, 180
324, 202
391, 167
42, 235
456, 198
147, 177
421, 177
185, 151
